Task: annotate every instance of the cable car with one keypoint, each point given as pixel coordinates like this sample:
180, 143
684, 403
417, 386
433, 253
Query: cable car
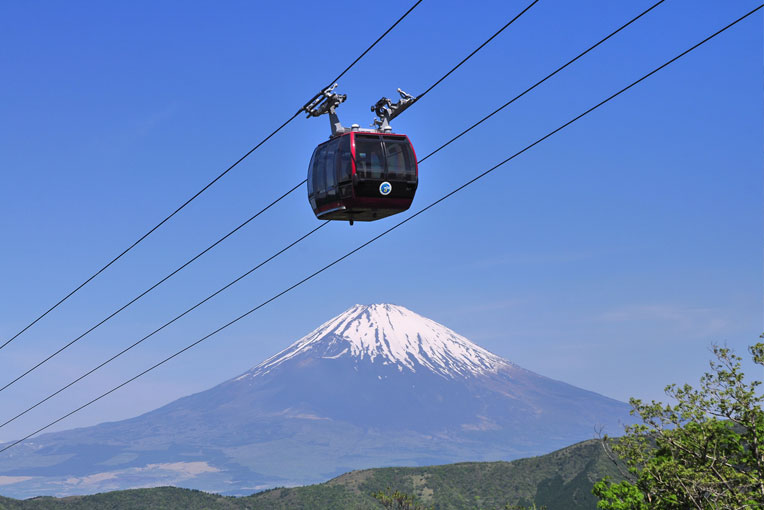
361, 174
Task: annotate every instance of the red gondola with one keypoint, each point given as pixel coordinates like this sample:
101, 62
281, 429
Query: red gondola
361, 174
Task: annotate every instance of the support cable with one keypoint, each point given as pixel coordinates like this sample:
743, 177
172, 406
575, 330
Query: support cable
300, 184
318, 94
444, 197
109, 317
151, 231
135, 344
326, 101
205, 188
465, 59
548, 76
157, 284
177, 317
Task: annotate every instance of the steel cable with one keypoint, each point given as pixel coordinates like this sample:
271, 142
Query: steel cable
301, 183
198, 193
336, 261
113, 314
465, 59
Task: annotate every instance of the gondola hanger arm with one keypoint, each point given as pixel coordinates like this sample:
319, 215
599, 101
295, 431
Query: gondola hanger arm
386, 110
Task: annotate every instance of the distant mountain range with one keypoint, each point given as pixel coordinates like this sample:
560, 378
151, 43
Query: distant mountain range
561, 480
377, 385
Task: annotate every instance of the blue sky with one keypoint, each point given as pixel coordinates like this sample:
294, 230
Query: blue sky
610, 256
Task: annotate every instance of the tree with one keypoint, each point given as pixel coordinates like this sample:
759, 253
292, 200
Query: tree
704, 452
397, 500
401, 501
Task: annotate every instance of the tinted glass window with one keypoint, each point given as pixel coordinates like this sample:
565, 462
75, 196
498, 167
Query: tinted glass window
344, 167
400, 160
310, 172
319, 158
369, 159
330, 168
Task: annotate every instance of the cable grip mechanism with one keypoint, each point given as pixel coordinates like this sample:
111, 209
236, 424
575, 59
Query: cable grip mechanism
326, 101
386, 110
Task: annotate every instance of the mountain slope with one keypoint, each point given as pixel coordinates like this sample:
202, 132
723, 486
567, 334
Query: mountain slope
561, 480
375, 386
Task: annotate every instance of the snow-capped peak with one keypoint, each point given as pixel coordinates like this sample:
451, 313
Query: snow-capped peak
390, 334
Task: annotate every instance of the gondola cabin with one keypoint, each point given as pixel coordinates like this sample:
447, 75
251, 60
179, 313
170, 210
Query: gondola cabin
362, 176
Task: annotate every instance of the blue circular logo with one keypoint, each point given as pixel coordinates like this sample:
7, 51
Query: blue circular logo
385, 188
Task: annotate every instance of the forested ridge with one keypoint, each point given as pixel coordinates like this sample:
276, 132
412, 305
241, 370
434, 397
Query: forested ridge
561, 480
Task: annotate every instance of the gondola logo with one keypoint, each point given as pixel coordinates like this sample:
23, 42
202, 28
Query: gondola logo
385, 188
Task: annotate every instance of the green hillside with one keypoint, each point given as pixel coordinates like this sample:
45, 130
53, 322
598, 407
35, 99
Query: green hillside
561, 480
160, 498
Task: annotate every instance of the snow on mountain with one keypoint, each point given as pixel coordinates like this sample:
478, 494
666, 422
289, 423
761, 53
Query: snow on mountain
390, 334
377, 385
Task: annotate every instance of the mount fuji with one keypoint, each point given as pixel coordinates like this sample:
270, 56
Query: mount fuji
375, 386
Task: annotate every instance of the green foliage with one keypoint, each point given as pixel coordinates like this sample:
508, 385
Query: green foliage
160, 498
619, 496
705, 452
401, 501
561, 480
397, 500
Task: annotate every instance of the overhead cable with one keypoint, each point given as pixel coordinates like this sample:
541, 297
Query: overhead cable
465, 59
362, 54
444, 197
170, 275
569, 62
142, 294
151, 231
205, 188
300, 184
157, 330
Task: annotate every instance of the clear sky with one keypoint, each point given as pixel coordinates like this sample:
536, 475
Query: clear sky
610, 256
